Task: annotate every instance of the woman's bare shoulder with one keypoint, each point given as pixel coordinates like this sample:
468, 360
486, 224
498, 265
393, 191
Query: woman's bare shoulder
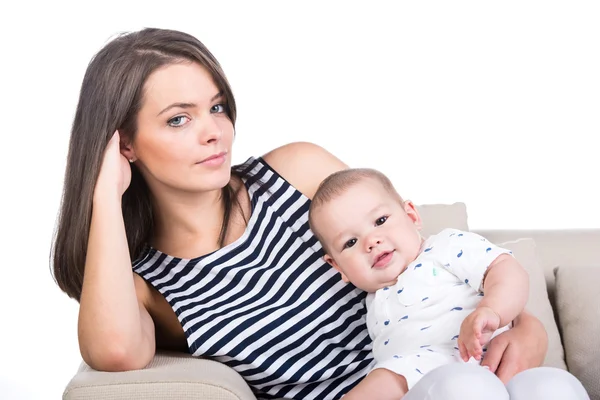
304, 165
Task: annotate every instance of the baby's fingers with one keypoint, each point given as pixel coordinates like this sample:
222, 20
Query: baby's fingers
462, 349
478, 325
475, 349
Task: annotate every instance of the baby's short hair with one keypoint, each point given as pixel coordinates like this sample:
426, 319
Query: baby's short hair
338, 182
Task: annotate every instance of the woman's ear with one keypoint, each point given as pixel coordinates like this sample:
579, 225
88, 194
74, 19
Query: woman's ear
411, 210
329, 260
126, 147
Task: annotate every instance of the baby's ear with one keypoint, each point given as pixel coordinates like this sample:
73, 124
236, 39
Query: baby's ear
329, 260
411, 210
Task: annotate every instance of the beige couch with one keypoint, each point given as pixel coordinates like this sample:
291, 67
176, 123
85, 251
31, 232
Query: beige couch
564, 268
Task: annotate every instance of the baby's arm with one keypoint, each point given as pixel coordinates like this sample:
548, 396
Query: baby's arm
380, 384
506, 289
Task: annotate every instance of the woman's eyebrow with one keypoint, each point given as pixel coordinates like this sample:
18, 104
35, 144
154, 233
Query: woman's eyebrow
178, 105
188, 105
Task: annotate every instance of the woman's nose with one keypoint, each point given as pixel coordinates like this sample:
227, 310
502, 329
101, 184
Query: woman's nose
210, 133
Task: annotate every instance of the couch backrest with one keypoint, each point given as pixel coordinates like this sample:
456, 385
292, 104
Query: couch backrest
561, 247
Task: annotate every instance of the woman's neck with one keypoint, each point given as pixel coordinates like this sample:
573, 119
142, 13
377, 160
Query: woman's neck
187, 225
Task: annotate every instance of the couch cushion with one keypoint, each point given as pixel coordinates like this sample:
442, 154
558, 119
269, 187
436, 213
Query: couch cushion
572, 247
441, 216
579, 318
538, 303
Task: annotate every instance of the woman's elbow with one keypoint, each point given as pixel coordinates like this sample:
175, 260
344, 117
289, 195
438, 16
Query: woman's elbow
114, 358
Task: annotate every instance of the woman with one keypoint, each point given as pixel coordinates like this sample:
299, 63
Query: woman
224, 264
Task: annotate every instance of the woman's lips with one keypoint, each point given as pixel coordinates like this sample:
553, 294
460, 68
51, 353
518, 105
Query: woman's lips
214, 160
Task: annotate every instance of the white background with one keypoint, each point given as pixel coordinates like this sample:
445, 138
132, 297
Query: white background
495, 104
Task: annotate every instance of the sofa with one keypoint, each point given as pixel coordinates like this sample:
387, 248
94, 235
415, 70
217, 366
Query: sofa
564, 270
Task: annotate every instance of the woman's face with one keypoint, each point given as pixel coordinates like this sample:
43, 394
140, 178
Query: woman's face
184, 137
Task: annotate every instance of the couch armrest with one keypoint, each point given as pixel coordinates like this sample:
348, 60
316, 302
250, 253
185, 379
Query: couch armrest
169, 375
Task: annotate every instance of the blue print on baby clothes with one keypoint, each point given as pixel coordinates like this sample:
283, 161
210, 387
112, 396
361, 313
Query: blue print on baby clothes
419, 265
457, 309
459, 254
405, 317
427, 249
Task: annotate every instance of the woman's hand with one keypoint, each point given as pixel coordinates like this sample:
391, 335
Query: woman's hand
522, 347
115, 171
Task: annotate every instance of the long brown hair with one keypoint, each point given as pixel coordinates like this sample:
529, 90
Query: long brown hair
110, 99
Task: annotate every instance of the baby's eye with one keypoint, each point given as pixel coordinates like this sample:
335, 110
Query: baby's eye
349, 243
381, 220
178, 121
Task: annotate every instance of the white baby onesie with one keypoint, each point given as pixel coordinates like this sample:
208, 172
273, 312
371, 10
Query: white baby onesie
415, 323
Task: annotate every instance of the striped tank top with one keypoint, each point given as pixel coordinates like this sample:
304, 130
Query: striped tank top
267, 305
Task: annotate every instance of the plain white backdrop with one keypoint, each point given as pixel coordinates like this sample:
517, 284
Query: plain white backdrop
495, 104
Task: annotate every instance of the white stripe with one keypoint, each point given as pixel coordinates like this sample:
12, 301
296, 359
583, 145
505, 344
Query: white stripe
277, 312
264, 300
309, 343
148, 264
215, 256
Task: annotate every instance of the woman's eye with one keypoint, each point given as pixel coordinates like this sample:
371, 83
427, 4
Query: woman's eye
349, 243
217, 108
178, 121
381, 220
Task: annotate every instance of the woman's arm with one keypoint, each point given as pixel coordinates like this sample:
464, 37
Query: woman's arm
304, 165
522, 347
116, 332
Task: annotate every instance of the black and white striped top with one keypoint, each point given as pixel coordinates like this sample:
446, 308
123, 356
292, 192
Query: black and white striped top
267, 305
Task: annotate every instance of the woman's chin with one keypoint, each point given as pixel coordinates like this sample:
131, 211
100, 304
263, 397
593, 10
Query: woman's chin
214, 181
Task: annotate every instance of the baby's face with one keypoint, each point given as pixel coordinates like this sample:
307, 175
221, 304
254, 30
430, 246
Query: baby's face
369, 235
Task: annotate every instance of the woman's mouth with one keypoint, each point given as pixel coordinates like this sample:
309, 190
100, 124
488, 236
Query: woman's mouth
215, 160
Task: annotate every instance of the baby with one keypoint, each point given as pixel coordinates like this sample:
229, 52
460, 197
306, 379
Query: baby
431, 301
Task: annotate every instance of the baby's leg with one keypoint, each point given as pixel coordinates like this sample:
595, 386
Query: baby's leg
380, 384
459, 382
545, 383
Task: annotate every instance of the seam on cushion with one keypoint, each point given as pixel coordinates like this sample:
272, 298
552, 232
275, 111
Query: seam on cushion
150, 383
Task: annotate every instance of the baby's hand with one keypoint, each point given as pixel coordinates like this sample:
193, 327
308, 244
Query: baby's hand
475, 331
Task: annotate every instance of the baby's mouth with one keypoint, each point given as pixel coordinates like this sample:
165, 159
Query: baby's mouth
383, 259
